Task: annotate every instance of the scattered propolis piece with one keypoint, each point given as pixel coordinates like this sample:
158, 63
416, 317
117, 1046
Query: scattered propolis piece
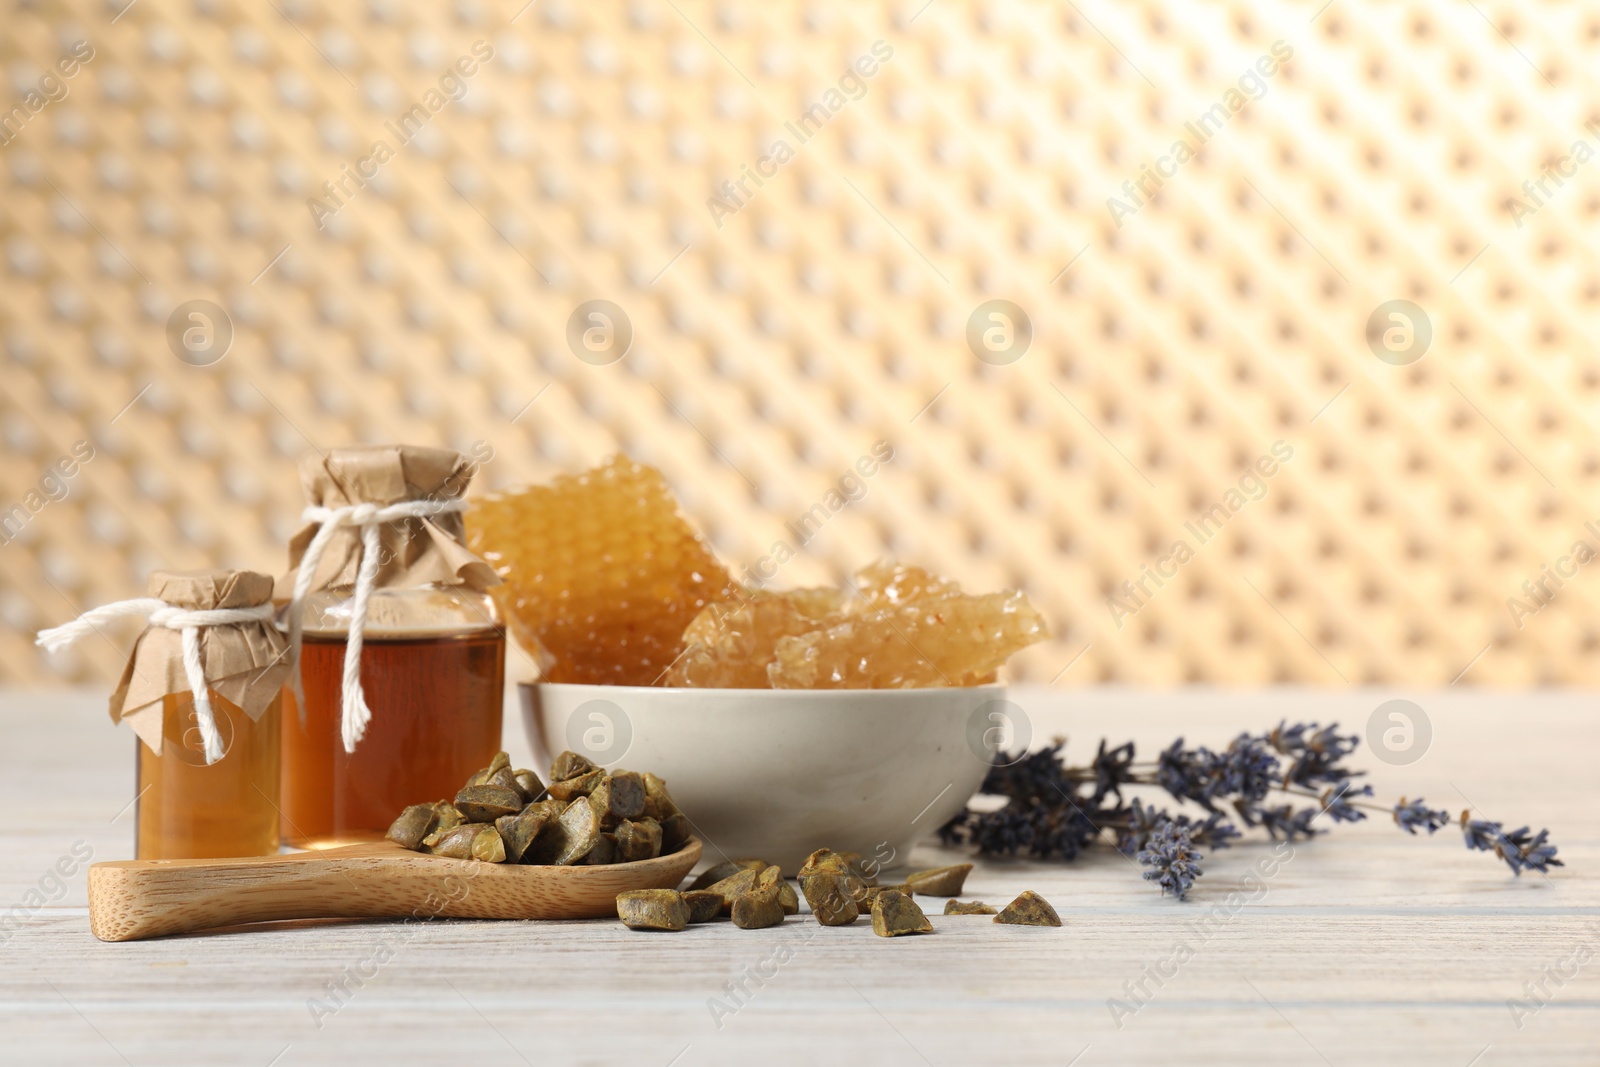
870, 894
733, 887
835, 897
602, 575
652, 909
727, 869
894, 913
940, 881
1029, 909
760, 907
704, 905
949, 641
967, 907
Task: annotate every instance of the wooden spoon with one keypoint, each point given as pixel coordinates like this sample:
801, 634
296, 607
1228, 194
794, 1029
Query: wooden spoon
133, 899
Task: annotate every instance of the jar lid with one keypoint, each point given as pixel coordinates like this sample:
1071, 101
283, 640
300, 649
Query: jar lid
212, 588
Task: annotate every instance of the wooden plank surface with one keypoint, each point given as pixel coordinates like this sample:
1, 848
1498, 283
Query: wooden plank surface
1366, 947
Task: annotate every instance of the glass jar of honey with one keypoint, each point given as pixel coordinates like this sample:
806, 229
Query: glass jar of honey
401, 655
203, 692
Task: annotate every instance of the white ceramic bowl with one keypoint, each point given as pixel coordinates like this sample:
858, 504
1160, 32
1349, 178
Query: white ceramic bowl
778, 773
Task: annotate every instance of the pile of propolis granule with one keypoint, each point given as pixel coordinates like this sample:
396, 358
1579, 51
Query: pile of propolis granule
606, 583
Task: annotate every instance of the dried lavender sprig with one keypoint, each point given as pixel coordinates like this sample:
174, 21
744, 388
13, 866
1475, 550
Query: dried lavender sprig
1054, 810
1173, 860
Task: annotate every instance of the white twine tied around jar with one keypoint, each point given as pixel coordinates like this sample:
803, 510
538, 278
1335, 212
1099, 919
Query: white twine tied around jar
187, 620
369, 517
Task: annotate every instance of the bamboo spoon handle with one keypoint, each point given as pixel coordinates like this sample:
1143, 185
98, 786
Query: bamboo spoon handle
138, 899
148, 898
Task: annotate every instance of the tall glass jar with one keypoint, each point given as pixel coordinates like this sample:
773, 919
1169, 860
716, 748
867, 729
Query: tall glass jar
410, 718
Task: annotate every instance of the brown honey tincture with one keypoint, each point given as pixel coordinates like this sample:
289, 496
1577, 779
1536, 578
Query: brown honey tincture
432, 662
208, 777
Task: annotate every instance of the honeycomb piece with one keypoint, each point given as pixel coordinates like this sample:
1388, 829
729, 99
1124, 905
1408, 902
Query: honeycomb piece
602, 574
953, 640
730, 645
886, 583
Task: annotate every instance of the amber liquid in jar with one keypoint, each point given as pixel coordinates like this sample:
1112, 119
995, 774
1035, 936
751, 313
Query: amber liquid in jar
189, 810
436, 704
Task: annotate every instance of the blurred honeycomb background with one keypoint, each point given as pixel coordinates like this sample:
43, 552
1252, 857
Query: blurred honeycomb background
1174, 340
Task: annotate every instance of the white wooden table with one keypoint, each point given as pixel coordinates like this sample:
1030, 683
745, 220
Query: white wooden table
1367, 947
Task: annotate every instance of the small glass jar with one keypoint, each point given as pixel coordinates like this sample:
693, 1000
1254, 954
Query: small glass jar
189, 809
206, 782
433, 670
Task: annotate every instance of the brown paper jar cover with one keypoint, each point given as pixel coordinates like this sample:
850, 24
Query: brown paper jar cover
245, 663
415, 551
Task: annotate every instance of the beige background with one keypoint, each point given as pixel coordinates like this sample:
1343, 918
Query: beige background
830, 312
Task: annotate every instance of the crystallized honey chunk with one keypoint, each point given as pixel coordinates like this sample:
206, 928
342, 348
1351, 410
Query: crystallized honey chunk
940, 881
967, 907
602, 575
927, 642
894, 913
728, 646
652, 909
1029, 909
887, 584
